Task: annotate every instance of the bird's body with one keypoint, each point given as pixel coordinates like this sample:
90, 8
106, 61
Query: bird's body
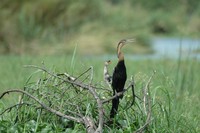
118, 82
119, 77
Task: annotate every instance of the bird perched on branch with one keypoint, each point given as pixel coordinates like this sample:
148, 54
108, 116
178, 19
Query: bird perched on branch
107, 76
119, 76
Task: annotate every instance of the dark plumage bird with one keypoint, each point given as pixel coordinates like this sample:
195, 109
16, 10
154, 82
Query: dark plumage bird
119, 77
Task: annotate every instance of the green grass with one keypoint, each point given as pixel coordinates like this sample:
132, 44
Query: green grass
174, 90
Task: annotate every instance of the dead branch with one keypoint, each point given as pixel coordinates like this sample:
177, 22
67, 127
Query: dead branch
118, 94
85, 86
78, 83
79, 120
74, 113
89, 124
14, 106
99, 103
113, 97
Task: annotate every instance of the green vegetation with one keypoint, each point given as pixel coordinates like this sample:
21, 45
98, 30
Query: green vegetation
51, 29
174, 91
55, 26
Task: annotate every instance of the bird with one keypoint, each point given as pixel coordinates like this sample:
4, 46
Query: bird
119, 76
107, 77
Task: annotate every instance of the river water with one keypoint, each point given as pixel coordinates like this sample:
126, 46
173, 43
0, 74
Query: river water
174, 47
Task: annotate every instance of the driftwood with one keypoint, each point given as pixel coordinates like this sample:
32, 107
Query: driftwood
58, 101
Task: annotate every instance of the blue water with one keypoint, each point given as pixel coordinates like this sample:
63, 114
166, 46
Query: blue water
174, 47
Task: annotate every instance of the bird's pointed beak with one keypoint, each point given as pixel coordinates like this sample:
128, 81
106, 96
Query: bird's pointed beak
130, 40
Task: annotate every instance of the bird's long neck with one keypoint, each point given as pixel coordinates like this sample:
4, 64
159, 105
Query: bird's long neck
119, 53
120, 57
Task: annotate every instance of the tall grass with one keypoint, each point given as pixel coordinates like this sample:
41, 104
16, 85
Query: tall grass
175, 99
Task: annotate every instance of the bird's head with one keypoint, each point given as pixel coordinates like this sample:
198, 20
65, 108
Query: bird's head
122, 43
107, 62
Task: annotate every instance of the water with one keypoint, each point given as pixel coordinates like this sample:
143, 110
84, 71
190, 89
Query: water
174, 47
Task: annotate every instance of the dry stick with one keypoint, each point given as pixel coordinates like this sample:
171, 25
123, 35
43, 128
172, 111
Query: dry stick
83, 73
79, 120
99, 103
91, 76
113, 97
16, 105
73, 78
89, 124
100, 109
147, 98
117, 94
66, 80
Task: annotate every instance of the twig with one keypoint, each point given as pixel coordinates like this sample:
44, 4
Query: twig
91, 75
100, 110
113, 97
89, 124
11, 107
66, 80
118, 94
79, 120
83, 73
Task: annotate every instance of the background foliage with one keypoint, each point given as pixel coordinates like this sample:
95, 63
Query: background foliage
34, 26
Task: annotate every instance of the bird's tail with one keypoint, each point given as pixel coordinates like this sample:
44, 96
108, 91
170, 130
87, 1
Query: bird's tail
115, 104
121, 96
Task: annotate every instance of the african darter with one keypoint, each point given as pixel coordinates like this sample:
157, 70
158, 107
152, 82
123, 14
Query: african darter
119, 77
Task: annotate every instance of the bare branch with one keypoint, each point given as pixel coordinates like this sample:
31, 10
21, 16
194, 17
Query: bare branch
74, 113
11, 107
83, 73
113, 97
91, 75
118, 94
89, 124
82, 85
79, 120
100, 109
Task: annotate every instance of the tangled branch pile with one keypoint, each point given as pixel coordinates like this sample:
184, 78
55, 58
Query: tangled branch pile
76, 99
